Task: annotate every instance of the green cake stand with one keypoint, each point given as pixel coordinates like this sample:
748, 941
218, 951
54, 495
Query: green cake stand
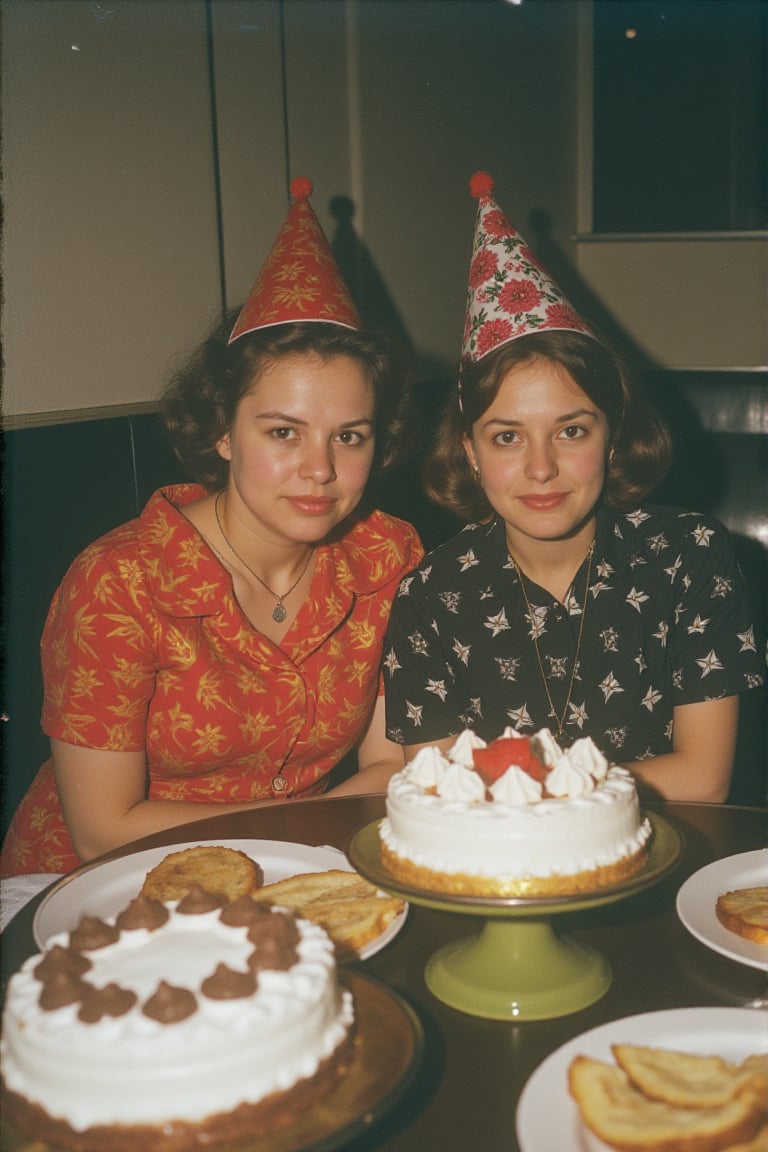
517, 965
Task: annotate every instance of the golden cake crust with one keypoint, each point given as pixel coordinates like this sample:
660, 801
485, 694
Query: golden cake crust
461, 884
248, 1121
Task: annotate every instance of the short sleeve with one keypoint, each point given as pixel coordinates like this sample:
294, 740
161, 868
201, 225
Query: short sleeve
97, 654
714, 650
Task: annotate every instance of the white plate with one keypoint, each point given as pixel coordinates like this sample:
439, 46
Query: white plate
547, 1116
105, 889
696, 904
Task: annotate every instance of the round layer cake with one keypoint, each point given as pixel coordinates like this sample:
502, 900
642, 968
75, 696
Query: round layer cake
516, 817
175, 1025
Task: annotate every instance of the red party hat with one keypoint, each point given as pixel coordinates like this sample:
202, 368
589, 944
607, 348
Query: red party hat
300, 279
510, 294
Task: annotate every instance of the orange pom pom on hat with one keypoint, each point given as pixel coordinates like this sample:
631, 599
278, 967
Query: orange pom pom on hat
300, 279
509, 295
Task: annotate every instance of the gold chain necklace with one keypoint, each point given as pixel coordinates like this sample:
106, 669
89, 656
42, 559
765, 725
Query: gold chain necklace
561, 720
278, 612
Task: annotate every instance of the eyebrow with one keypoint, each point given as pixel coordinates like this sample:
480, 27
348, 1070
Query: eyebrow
285, 418
577, 414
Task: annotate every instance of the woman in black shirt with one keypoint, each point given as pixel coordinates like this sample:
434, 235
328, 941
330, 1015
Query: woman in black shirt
566, 602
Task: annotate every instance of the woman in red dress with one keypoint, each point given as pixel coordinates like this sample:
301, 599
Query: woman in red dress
223, 650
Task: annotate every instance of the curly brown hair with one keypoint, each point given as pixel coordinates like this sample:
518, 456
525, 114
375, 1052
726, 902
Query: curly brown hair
199, 404
640, 443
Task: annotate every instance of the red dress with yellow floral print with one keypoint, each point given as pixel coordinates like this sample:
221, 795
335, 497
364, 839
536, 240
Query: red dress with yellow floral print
146, 648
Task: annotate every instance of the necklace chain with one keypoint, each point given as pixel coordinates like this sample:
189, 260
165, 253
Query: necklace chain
278, 612
560, 721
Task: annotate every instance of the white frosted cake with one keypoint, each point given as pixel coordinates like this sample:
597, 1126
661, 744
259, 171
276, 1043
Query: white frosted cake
177, 1025
513, 817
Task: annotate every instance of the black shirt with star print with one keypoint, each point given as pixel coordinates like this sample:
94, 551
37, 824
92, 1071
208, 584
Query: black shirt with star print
667, 623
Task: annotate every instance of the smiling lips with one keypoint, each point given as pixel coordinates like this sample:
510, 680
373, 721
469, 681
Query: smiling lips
544, 503
311, 505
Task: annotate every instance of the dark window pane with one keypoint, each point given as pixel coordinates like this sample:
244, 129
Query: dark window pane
679, 115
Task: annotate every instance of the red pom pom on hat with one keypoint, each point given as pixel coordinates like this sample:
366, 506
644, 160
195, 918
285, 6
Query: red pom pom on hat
301, 188
481, 185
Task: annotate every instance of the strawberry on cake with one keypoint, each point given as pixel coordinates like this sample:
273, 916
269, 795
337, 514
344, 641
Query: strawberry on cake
513, 817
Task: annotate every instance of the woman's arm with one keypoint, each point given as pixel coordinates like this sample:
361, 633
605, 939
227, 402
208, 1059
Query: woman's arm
104, 801
700, 766
378, 758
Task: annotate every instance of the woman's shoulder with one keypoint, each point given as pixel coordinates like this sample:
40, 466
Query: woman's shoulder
652, 521
467, 555
378, 548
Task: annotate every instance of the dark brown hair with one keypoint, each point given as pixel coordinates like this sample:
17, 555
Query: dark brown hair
199, 404
640, 443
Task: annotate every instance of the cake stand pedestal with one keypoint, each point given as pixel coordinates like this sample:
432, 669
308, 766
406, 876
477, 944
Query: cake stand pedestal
517, 966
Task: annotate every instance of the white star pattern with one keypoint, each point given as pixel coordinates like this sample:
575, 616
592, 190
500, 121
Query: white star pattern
413, 713
658, 543
425, 574
558, 667
698, 625
702, 535
604, 569
722, 587
538, 622
571, 604
636, 518
468, 560
405, 586
710, 663
651, 699
617, 736
462, 651
579, 715
497, 623
610, 639
451, 600
508, 666
520, 717
673, 571
663, 633
747, 640
609, 686
391, 663
438, 688
598, 587
487, 593
636, 598
641, 661
418, 644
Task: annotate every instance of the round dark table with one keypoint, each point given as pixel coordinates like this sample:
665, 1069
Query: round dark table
466, 1090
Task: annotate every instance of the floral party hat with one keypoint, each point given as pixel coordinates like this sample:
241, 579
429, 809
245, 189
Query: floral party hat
510, 295
299, 280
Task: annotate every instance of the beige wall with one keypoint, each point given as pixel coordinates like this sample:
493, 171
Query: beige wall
111, 256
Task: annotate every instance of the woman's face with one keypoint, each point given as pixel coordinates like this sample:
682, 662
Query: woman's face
301, 447
541, 451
